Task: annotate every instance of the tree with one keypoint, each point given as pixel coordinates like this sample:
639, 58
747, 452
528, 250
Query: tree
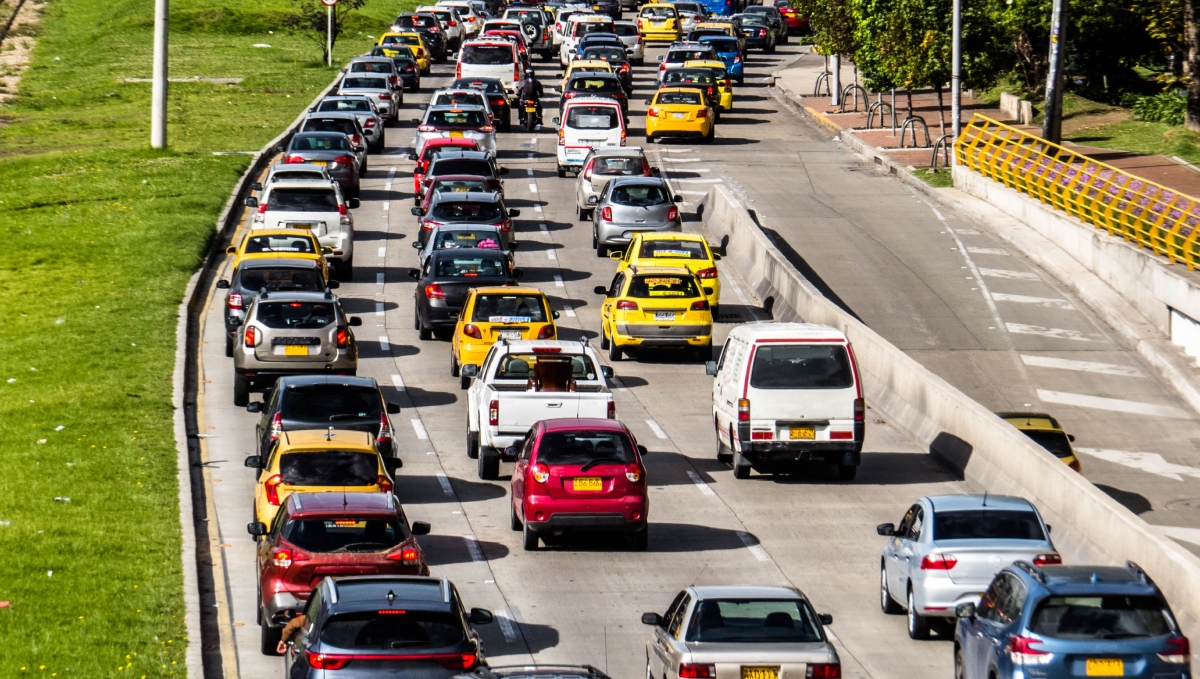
1191, 64
309, 17
832, 23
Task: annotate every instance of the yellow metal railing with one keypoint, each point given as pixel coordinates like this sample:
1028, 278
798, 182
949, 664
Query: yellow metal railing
1106, 197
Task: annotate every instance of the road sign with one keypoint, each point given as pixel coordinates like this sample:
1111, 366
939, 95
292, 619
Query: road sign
329, 3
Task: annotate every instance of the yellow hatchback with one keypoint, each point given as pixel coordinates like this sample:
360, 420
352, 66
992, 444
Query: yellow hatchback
415, 44
280, 243
659, 22
721, 76
655, 306
498, 313
316, 461
1046, 432
679, 112
585, 66
675, 249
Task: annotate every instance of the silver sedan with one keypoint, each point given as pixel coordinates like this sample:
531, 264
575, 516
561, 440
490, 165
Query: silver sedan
363, 109
629, 205
468, 122
378, 88
603, 164
740, 632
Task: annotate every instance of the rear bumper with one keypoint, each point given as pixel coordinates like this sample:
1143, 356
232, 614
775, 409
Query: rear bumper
682, 129
261, 379
660, 36
665, 336
282, 607
440, 316
543, 514
620, 234
938, 596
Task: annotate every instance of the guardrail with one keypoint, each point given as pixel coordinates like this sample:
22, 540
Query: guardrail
1136, 209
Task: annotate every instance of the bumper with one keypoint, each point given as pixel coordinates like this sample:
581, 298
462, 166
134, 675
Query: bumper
282, 607
660, 36
757, 43
620, 234
472, 353
341, 243
938, 596
666, 128
830, 452
646, 335
410, 79
263, 378
544, 514
439, 316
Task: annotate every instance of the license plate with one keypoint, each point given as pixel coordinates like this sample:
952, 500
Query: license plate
664, 316
531, 109
802, 433
295, 350
318, 162
1105, 667
679, 116
589, 483
510, 334
455, 134
760, 672
299, 225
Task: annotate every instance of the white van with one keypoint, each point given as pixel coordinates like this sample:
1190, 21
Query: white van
787, 393
579, 25
587, 123
490, 59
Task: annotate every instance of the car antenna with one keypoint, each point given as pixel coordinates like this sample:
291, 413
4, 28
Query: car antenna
329, 436
390, 596
984, 492
698, 575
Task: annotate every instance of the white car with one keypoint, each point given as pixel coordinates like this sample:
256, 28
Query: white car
468, 122
462, 97
786, 393
314, 205
490, 58
452, 24
560, 21
579, 25
587, 123
466, 11
635, 46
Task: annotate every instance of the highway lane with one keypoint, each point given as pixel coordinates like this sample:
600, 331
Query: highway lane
582, 602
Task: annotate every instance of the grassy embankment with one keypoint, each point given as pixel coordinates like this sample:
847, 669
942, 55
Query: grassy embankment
101, 235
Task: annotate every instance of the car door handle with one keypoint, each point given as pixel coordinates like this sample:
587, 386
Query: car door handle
554, 405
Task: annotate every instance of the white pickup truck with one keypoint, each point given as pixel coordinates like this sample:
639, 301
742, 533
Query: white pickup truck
523, 382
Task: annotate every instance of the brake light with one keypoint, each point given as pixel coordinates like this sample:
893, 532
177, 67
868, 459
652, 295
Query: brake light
823, 671
516, 72
281, 558
458, 70
697, 671
292, 159
672, 214
262, 210
407, 556
234, 301
1023, 651
251, 337
587, 171
434, 291
762, 32
271, 488
627, 305
343, 338
487, 128
461, 661
342, 160
702, 113
506, 226
1049, 559
1074, 464
612, 410
606, 214
622, 137
370, 123
395, 79
570, 95
426, 128
540, 472
737, 59
633, 472
562, 137
938, 562
420, 53
762, 435
705, 274
652, 111
385, 430
841, 435
471, 330
743, 410
276, 426
645, 167
355, 139
1180, 651
860, 410
385, 484
322, 661
453, 23
547, 332
702, 305
494, 413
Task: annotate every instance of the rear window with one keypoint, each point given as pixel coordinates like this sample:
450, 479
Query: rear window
329, 468
689, 7
327, 403
346, 534
466, 239
473, 166
658, 13
605, 53
342, 125
761, 621
401, 40
455, 118
297, 174
302, 142
586, 84
618, 165
801, 366
638, 195
723, 45
689, 98
459, 99
689, 77
491, 86
593, 118
1054, 441
582, 447
354, 83
663, 286
345, 105
415, 22
303, 200
371, 67
509, 309
398, 630
255, 244
521, 366
673, 249
986, 524
1100, 617
459, 185
680, 56
469, 267
487, 55
282, 279
625, 29
526, 16
592, 27
464, 211
296, 315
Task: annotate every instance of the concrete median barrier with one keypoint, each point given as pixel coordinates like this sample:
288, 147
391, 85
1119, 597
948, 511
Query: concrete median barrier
1088, 526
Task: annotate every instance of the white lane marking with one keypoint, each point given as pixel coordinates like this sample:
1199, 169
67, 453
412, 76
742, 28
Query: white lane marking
1113, 404
968, 232
533, 141
530, 171
379, 279
550, 254
533, 188
1191, 535
936, 213
1082, 366
382, 251
537, 208
507, 626
658, 431
987, 251
398, 382
386, 206
704, 489
1055, 333
387, 186
558, 281
391, 173
1152, 463
700, 181
675, 151
446, 488
544, 228
619, 384
1010, 275
473, 547
569, 310
682, 160
752, 545
379, 308
694, 193
384, 343
1046, 302
420, 429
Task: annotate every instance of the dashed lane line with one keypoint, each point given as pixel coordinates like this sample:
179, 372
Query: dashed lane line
700, 483
1111, 404
1082, 366
419, 427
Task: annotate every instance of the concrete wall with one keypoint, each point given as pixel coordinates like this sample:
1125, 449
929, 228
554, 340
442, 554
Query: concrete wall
1016, 108
1089, 527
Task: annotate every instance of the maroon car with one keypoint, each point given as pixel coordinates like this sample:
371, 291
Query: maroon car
315, 535
457, 183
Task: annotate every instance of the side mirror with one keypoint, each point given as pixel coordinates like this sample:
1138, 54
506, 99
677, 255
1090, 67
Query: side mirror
252, 202
825, 618
649, 100
592, 200
417, 244
618, 255
480, 616
554, 121
278, 149
886, 529
326, 250
606, 371
417, 212
392, 408
554, 314
517, 273
660, 58
231, 250
355, 321
1049, 528
256, 186
223, 284
352, 203
254, 462
966, 610
254, 407
600, 290
710, 368
643, 449
420, 528
652, 619
412, 156
257, 528
414, 273
716, 257
1071, 438
514, 213
470, 370
677, 198
655, 170
333, 285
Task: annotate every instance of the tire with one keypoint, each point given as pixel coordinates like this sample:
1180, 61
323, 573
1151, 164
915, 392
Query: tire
514, 521
771, 49
704, 353
228, 345
562, 173
464, 382
960, 671
530, 123
489, 465
423, 333
345, 270
529, 538
887, 604
918, 625
640, 540
601, 250
649, 139
614, 352
724, 454
454, 369
581, 214
241, 391
268, 639
603, 340
473, 444
712, 134
714, 308
847, 472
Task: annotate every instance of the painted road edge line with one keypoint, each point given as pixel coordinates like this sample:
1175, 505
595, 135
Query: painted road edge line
700, 483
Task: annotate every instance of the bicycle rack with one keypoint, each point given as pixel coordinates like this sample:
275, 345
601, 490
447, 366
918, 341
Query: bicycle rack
855, 88
913, 121
878, 106
822, 79
943, 143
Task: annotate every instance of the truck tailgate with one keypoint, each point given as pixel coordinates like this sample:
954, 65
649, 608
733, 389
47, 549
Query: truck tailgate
520, 410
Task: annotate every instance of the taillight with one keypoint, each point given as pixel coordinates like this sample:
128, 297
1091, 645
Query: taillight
587, 171
1074, 464
702, 305
697, 671
1180, 652
633, 472
606, 214
737, 59
702, 113
342, 209
426, 128
570, 95
612, 410
505, 226
516, 72
343, 338
762, 435
547, 332
407, 556
384, 483
251, 337
385, 97
494, 413
434, 291
395, 79
743, 410
370, 123
262, 208
762, 32
322, 661
342, 160
356, 139
472, 331
860, 410
281, 558
823, 670
562, 137
705, 274
672, 214
1024, 651
234, 301
271, 488
453, 23
487, 128
652, 111
458, 661
646, 167
623, 136
939, 562
627, 305
1048, 559
540, 472
385, 430
292, 159
276, 426
458, 71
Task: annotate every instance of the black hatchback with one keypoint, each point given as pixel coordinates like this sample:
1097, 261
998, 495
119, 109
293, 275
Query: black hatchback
386, 626
443, 282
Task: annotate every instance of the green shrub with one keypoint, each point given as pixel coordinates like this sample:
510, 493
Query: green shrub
1165, 107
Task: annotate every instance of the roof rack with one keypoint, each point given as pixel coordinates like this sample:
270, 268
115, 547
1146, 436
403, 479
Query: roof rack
1034, 572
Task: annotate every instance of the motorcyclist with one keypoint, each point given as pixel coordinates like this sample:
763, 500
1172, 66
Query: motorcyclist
530, 89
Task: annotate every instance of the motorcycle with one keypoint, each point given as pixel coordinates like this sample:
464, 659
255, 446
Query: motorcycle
531, 114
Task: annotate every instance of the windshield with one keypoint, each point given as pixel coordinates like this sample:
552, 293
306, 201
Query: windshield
509, 309
659, 13
363, 83
296, 315
1100, 617
449, 240
673, 249
762, 621
487, 55
415, 21
322, 143
328, 403
464, 211
618, 165
586, 84
582, 447
688, 98
1054, 441
303, 200
345, 105
288, 280
521, 366
455, 118
400, 630
593, 118
342, 125
329, 468
801, 366
473, 166
345, 534
280, 243
663, 286
371, 67
986, 524
470, 267
640, 195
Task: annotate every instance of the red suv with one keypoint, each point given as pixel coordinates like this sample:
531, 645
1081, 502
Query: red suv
315, 535
579, 474
432, 147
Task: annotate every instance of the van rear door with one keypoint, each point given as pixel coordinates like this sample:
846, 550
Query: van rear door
792, 384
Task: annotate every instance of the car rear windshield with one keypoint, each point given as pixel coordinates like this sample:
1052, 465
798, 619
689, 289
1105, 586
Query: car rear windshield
663, 286
640, 195
297, 174
403, 631
459, 99
395, 53
761, 621
801, 366
303, 200
345, 105
329, 468
490, 85
582, 447
371, 67
626, 29
475, 166
327, 403
284, 279
624, 166
343, 125
474, 238
509, 309
723, 44
1100, 617
592, 84
593, 118
526, 16
455, 118
689, 7
687, 98
689, 77
658, 13
986, 524
304, 142
463, 211
1054, 441
256, 244
345, 534
296, 315
361, 83
616, 54
401, 40
486, 55
414, 22
680, 56
754, 20
521, 366
592, 27
459, 185
673, 249
470, 267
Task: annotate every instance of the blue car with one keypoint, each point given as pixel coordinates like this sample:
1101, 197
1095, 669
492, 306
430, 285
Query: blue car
728, 51
1070, 621
723, 8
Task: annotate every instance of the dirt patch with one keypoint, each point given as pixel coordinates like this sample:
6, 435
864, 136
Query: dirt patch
1078, 123
17, 46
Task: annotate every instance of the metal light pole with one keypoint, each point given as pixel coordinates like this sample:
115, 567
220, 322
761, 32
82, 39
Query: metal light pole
1052, 121
956, 71
158, 92
835, 79
329, 30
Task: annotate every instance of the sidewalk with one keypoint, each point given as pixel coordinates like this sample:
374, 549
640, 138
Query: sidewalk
798, 82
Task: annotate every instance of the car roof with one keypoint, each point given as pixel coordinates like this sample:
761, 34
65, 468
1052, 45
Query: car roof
587, 63
576, 423
1081, 580
772, 330
371, 592
320, 438
745, 591
335, 115
301, 505
681, 88
704, 63
369, 58
462, 177
309, 380
1035, 421
290, 262
652, 236
467, 197
595, 75
294, 295
592, 101
948, 503
297, 233
288, 183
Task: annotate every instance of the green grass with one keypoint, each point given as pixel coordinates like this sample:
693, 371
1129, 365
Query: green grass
1142, 137
101, 235
938, 179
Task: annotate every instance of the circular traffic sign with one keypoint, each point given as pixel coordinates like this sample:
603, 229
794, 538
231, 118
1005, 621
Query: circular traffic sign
329, 3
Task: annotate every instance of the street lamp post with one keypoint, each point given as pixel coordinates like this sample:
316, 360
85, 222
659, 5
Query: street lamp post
1052, 121
158, 93
329, 30
956, 71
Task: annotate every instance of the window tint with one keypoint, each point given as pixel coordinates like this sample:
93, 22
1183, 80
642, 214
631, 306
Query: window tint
459, 185
521, 366
327, 403
658, 13
593, 118
464, 211
362, 83
582, 447
673, 249
487, 55
297, 174
509, 309
616, 165
329, 468
416, 21
688, 98
460, 98
473, 166
469, 267
626, 29
593, 84
345, 105
605, 53
296, 315
689, 77
455, 118
753, 621
303, 200
489, 85
402, 632
663, 286
1054, 441
801, 366
987, 524
343, 125
257, 244
675, 617
1101, 617
283, 279
371, 67
916, 525
321, 143
907, 521
723, 44
680, 56
640, 195
345, 534
481, 238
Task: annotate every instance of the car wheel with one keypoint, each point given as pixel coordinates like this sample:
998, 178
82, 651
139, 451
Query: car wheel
473, 444
514, 521
345, 270
614, 351
649, 139
423, 333
603, 340
712, 134
704, 352
640, 540
847, 472
770, 50
886, 603
530, 539
601, 250
464, 382
918, 625
241, 390
269, 639
960, 672
562, 172
454, 370
228, 345
489, 464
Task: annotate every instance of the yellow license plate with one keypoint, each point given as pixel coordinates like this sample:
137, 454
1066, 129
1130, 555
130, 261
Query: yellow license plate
760, 672
589, 483
318, 162
1105, 667
455, 134
295, 350
802, 433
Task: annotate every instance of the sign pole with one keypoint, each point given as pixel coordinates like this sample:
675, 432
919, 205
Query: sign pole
329, 30
158, 96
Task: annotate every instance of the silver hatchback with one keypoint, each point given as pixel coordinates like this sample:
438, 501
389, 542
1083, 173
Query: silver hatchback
629, 205
604, 164
292, 333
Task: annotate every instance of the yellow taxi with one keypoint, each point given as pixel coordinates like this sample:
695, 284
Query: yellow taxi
491, 314
659, 22
585, 66
316, 461
721, 76
414, 43
722, 26
675, 249
679, 112
1046, 432
655, 306
280, 243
